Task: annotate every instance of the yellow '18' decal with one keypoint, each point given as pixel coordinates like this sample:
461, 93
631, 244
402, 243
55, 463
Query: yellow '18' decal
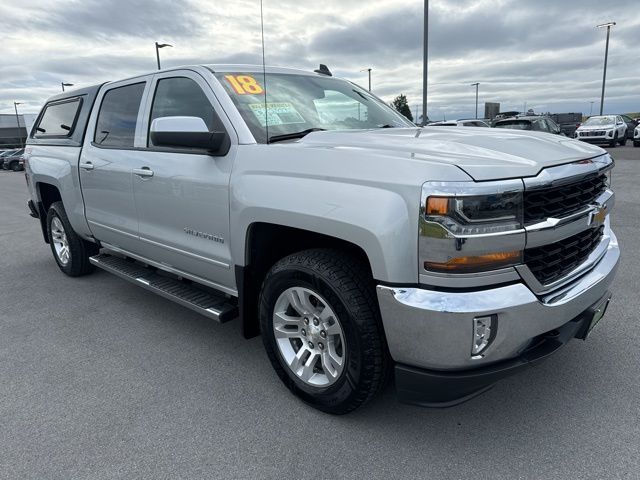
244, 84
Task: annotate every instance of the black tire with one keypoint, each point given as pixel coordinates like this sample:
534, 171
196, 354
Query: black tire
346, 284
15, 166
623, 142
613, 142
636, 143
80, 250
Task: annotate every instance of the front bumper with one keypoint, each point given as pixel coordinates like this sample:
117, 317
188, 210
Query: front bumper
602, 139
432, 330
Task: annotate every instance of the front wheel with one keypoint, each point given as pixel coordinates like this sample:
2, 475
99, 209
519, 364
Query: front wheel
321, 329
15, 166
613, 142
69, 250
636, 143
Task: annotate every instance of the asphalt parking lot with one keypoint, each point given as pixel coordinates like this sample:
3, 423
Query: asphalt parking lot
100, 379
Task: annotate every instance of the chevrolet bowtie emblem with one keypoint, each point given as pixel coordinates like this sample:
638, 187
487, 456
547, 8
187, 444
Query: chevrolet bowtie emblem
598, 215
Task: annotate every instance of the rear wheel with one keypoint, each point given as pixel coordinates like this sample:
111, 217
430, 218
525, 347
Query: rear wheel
321, 329
69, 250
15, 166
636, 143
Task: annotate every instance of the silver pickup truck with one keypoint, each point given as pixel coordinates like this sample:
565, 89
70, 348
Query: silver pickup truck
357, 244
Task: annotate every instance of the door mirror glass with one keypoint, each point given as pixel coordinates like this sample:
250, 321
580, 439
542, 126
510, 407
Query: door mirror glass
187, 132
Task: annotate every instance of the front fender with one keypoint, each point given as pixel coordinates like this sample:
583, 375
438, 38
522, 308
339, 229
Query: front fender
375, 219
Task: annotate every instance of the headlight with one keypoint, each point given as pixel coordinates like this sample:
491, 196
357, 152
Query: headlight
469, 227
476, 214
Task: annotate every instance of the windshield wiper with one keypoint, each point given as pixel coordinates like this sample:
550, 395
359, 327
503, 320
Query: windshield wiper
291, 136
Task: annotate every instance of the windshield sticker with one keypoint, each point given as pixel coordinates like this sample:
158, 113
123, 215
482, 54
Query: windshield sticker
244, 84
277, 114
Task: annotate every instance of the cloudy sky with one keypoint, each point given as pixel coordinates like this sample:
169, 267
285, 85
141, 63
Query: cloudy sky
546, 53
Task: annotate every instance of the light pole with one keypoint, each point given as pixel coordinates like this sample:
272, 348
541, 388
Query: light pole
425, 60
65, 85
606, 55
158, 47
476, 85
15, 106
368, 70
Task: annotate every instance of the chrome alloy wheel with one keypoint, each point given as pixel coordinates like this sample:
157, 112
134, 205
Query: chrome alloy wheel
309, 336
60, 242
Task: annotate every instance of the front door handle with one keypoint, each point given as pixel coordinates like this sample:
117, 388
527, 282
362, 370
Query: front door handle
87, 165
143, 172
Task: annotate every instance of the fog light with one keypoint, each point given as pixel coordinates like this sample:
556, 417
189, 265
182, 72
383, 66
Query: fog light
484, 330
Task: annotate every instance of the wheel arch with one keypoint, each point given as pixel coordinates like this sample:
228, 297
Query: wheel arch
48, 194
281, 240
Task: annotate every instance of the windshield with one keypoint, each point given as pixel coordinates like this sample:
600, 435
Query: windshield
599, 121
301, 102
515, 125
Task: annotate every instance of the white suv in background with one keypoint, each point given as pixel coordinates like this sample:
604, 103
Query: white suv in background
609, 129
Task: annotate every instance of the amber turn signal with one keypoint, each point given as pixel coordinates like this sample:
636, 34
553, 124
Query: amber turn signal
437, 206
476, 263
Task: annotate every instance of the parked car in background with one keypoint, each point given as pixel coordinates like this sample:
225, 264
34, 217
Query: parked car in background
535, 123
636, 136
631, 125
609, 129
5, 154
12, 161
460, 123
568, 122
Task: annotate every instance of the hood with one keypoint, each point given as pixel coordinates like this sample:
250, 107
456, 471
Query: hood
607, 126
483, 153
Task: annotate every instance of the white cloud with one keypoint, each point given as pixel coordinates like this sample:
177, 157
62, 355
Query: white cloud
543, 52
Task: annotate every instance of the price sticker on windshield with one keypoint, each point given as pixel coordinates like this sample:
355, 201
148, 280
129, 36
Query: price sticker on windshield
244, 84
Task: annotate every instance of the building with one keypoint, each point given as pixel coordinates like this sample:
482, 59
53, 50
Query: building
491, 109
13, 131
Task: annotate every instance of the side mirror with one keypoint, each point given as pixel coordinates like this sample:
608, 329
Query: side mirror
187, 132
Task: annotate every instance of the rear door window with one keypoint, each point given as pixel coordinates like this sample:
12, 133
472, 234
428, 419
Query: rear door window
58, 119
116, 125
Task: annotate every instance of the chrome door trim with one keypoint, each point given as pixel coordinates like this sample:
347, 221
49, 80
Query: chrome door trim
170, 269
112, 229
188, 254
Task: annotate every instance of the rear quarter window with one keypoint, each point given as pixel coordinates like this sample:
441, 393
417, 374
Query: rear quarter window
58, 119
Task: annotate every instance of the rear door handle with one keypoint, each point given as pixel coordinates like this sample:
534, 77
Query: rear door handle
143, 172
87, 165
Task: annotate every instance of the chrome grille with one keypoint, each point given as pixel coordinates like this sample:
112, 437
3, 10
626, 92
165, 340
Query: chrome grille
540, 204
552, 262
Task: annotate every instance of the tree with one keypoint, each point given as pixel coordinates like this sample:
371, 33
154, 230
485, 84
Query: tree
401, 104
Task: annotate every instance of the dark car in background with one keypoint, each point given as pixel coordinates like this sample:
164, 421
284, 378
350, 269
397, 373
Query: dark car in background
568, 122
631, 125
4, 154
13, 161
536, 123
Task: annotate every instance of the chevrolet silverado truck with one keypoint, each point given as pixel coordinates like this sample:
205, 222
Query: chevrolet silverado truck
357, 244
